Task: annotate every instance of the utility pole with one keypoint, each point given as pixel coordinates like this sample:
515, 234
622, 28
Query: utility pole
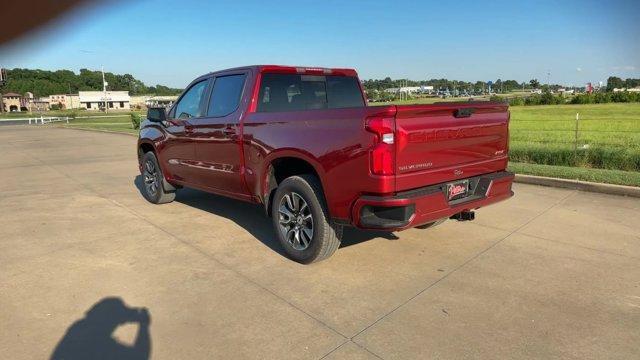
548, 79
3, 79
104, 88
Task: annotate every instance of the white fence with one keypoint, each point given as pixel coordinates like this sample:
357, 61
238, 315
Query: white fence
41, 120
36, 120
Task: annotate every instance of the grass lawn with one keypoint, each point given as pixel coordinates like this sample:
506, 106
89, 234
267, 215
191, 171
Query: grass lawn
608, 135
600, 124
120, 124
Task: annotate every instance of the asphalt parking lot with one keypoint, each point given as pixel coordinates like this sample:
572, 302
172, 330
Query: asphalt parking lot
551, 273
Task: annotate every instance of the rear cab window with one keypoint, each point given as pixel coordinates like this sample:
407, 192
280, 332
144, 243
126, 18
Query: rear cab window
296, 92
226, 94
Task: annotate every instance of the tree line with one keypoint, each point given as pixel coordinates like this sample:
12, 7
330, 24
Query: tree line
614, 82
499, 84
44, 82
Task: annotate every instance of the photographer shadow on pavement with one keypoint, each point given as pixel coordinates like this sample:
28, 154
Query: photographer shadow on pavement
92, 336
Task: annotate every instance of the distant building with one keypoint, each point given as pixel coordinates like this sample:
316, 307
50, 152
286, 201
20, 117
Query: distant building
12, 102
152, 101
96, 100
404, 89
635, 89
65, 101
39, 104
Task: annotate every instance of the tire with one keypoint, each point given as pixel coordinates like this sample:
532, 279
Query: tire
301, 220
431, 224
152, 181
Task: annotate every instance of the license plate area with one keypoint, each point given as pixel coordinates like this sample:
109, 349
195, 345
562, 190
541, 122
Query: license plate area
457, 190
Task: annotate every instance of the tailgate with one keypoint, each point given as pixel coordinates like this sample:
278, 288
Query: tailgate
448, 141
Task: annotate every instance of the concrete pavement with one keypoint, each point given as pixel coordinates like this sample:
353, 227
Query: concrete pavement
551, 273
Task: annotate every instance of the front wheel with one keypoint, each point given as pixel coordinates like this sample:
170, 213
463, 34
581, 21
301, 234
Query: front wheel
301, 220
152, 181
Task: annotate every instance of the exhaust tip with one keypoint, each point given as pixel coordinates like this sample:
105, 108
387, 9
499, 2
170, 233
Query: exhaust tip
464, 216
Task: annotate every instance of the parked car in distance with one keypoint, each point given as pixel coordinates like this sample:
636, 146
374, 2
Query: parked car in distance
303, 143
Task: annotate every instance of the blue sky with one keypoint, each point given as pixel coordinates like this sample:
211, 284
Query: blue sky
171, 42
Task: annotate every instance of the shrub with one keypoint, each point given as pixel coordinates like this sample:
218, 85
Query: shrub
547, 98
621, 96
135, 120
533, 100
516, 101
582, 99
602, 98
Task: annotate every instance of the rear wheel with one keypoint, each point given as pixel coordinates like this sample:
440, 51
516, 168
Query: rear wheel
152, 181
301, 220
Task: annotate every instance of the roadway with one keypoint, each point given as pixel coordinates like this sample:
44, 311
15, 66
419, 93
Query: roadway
551, 273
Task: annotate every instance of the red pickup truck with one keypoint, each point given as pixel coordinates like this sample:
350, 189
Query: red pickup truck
303, 143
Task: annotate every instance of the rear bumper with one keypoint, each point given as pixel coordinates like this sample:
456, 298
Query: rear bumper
427, 204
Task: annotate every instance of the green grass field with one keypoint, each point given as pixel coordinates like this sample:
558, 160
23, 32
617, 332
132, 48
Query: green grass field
119, 123
608, 135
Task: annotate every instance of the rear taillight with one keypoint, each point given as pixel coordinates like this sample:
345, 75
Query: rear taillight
383, 152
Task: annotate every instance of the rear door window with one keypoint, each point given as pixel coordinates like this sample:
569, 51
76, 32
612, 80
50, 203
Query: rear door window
293, 92
226, 94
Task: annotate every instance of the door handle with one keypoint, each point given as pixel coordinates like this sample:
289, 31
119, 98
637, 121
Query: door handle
229, 131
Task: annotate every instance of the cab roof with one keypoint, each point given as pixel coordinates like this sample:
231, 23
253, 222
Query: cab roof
296, 70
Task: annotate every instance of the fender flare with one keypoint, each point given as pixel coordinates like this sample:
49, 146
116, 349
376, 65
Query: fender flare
267, 181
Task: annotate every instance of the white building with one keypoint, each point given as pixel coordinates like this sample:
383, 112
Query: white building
636, 89
404, 89
152, 100
95, 100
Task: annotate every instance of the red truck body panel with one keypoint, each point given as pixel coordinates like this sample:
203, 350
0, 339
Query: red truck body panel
434, 146
232, 155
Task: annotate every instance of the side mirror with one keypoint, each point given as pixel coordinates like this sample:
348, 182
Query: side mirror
158, 114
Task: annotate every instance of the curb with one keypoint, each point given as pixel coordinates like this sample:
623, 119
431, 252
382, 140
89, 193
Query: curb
611, 189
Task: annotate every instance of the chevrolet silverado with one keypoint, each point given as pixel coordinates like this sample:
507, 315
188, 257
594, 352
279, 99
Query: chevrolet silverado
304, 143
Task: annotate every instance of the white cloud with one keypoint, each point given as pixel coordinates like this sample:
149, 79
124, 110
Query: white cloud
578, 69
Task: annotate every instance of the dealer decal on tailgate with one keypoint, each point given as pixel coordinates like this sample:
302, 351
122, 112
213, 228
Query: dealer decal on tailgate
458, 189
